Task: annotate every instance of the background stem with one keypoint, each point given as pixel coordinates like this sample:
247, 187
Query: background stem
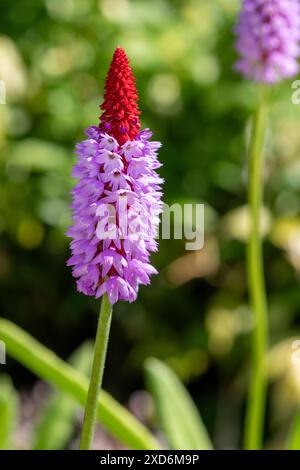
97, 374
256, 283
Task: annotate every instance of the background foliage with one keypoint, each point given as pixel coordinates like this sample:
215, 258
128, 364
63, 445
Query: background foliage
53, 58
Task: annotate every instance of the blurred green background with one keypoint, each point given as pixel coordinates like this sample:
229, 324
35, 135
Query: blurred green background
54, 56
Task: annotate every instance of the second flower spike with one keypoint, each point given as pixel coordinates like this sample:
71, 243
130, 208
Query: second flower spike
268, 33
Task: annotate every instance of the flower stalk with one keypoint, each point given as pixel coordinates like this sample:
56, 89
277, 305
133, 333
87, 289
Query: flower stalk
116, 206
267, 41
101, 343
256, 282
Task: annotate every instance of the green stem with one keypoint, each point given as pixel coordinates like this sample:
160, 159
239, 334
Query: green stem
101, 342
256, 282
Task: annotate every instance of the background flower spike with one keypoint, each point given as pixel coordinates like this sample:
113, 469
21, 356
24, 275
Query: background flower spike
268, 34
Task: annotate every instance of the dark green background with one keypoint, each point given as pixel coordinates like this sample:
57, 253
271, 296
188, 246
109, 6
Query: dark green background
54, 56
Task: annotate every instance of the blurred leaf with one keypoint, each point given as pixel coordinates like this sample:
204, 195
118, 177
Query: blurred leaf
12, 70
178, 414
9, 407
284, 230
236, 223
294, 438
38, 155
58, 418
46, 365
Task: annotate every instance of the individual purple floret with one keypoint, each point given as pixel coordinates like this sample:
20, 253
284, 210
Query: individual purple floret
268, 33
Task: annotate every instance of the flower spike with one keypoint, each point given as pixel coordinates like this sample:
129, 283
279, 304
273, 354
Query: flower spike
268, 34
117, 199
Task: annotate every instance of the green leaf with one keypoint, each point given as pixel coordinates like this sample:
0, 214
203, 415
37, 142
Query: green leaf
39, 155
9, 412
46, 365
294, 437
180, 419
56, 425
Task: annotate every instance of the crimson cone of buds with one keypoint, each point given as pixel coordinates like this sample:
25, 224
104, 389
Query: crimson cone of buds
120, 108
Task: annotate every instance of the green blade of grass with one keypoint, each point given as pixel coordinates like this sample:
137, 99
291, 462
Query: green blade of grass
180, 419
9, 412
46, 365
56, 425
294, 437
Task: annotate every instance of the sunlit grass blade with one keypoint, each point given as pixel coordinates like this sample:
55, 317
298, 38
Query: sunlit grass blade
180, 419
46, 365
9, 412
294, 437
58, 417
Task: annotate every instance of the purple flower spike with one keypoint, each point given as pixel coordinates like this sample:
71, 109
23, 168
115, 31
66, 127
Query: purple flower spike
117, 200
268, 33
